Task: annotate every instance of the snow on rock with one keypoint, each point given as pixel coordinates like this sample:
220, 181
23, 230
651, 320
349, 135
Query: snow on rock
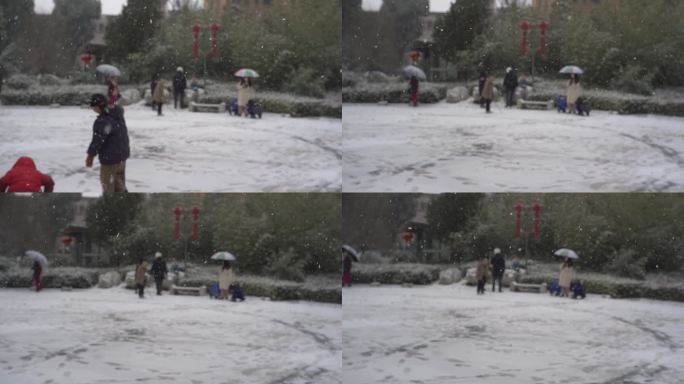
109, 279
459, 148
112, 336
503, 338
449, 276
457, 94
180, 151
130, 96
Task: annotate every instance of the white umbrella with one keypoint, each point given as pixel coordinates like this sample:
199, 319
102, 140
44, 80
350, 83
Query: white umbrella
108, 70
572, 69
246, 72
37, 256
352, 252
412, 70
565, 252
223, 256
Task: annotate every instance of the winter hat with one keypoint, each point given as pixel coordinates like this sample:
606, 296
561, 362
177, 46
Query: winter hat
179, 69
497, 251
508, 69
98, 100
158, 255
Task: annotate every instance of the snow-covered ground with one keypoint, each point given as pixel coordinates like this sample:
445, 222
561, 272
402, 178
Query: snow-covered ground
458, 148
112, 336
448, 334
181, 151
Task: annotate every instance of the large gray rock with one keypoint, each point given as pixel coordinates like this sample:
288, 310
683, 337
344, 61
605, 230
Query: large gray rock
457, 94
109, 279
449, 276
471, 276
130, 96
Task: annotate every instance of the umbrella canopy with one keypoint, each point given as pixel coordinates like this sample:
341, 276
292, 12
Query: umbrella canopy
223, 256
412, 70
565, 252
356, 256
37, 256
108, 70
571, 69
246, 72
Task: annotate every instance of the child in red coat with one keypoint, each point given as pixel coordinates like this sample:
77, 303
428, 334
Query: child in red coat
24, 177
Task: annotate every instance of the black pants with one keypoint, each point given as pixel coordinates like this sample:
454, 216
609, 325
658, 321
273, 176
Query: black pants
496, 278
481, 286
158, 281
488, 103
176, 96
159, 107
141, 290
510, 93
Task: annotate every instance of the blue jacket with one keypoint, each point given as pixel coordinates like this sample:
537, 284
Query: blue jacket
110, 138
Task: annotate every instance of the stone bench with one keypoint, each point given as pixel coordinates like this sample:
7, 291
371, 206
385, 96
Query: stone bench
528, 104
220, 108
517, 287
195, 291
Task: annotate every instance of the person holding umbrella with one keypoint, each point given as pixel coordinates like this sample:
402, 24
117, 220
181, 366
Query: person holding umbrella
574, 91
349, 254
225, 279
159, 271
244, 88
566, 270
38, 267
413, 88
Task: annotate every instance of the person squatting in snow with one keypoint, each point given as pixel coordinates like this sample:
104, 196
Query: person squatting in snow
110, 144
25, 177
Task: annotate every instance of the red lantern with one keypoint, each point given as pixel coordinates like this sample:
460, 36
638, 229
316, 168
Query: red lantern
195, 224
518, 219
414, 56
525, 26
86, 58
177, 212
542, 42
66, 240
408, 237
195, 47
214, 39
536, 207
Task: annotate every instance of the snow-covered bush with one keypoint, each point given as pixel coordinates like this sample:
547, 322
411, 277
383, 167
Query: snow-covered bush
53, 278
286, 266
20, 81
377, 77
394, 92
49, 79
634, 79
395, 273
457, 94
351, 78
307, 83
628, 263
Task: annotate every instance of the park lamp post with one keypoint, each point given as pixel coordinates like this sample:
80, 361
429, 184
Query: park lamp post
213, 39
178, 235
525, 28
520, 230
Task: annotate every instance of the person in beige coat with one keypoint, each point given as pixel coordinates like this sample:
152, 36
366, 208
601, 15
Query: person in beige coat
481, 274
225, 279
244, 90
488, 93
158, 96
140, 271
565, 277
574, 92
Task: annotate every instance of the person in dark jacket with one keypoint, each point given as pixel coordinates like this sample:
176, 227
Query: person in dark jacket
37, 274
480, 87
153, 85
159, 271
110, 144
180, 83
346, 270
25, 177
510, 84
413, 87
498, 268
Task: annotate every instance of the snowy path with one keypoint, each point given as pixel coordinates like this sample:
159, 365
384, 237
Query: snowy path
458, 148
447, 334
181, 151
111, 336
